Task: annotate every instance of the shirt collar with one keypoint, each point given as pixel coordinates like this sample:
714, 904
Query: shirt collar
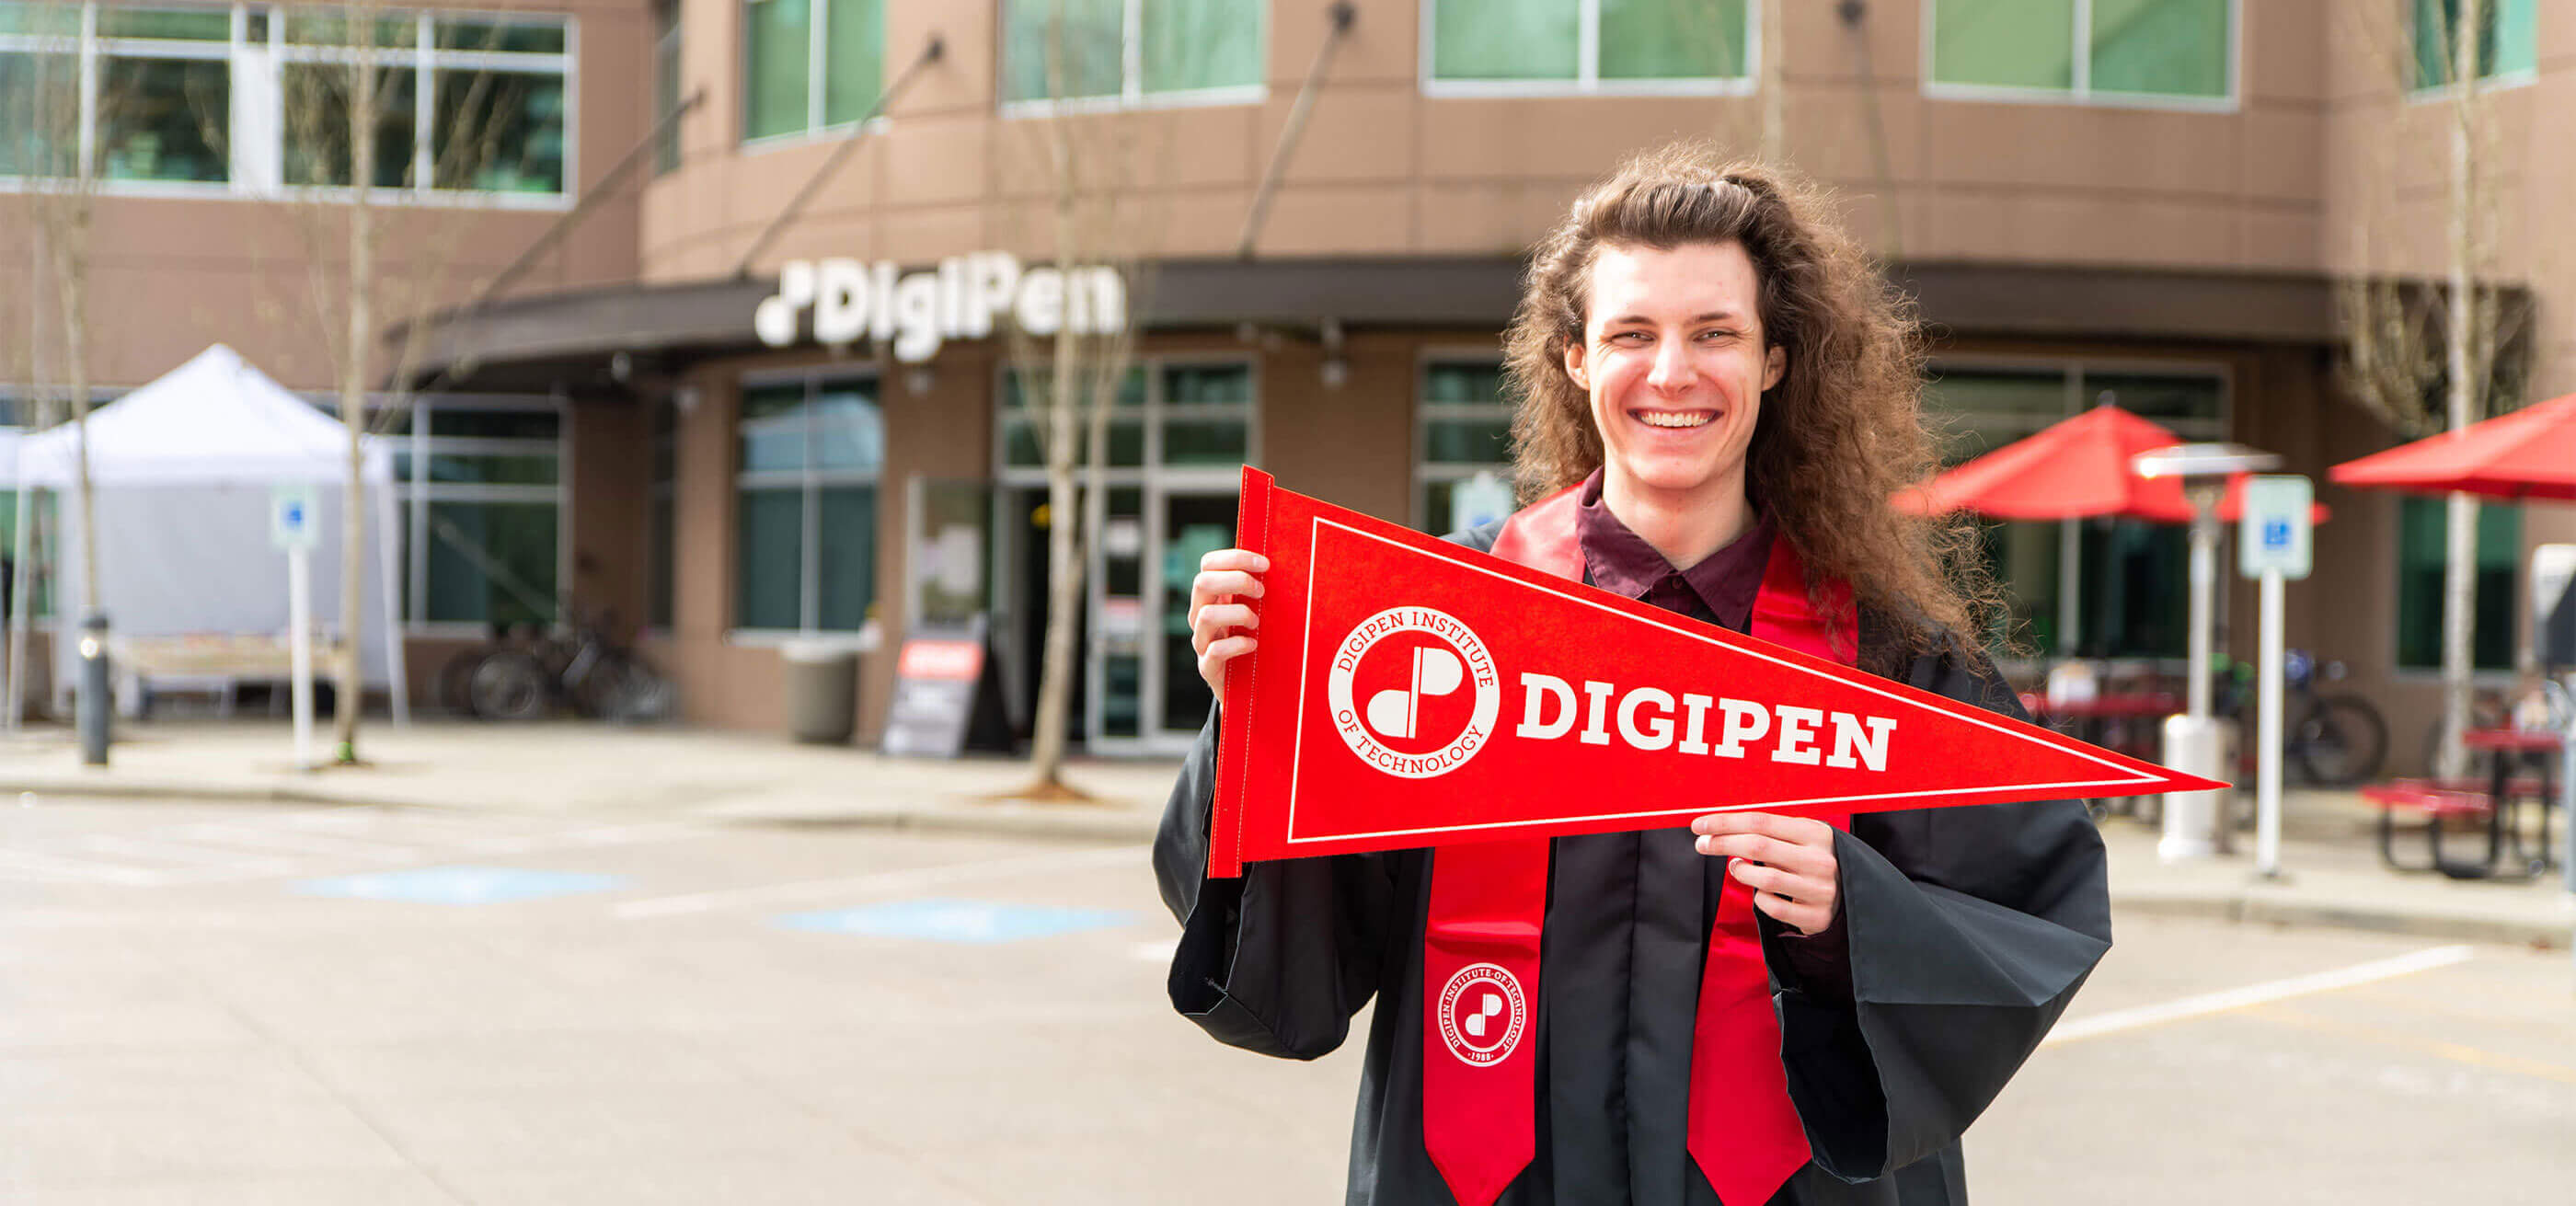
1620, 561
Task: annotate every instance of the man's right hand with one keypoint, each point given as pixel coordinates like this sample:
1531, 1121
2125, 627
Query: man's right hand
1224, 576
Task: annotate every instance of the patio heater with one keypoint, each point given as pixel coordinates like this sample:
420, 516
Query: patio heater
2195, 824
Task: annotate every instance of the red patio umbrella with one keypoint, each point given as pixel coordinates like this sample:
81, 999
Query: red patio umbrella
2530, 453
2074, 469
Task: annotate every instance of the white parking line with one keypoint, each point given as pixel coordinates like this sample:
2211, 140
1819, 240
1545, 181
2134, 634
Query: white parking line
2256, 994
879, 881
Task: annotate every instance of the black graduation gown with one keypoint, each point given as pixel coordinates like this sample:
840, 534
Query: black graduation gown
1968, 930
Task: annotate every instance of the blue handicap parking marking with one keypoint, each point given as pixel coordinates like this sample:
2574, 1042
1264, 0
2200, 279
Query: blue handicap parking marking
460, 885
957, 920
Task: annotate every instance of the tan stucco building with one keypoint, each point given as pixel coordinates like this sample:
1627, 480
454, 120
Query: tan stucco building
2147, 203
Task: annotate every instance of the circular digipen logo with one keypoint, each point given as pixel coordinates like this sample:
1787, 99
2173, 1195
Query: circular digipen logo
1482, 1014
1413, 692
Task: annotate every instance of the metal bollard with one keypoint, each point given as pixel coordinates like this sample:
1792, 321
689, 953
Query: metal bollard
95, 711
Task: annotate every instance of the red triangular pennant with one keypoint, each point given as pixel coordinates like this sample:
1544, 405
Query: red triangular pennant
1412, 692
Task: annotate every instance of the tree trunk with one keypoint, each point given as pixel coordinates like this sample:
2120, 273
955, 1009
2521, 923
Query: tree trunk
348, 688
2459, 566
1064, 576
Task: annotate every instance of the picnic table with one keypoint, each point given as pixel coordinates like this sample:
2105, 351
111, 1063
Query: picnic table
2497, 797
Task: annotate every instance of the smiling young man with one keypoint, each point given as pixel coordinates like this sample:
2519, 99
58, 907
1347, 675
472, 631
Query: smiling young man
1718, 395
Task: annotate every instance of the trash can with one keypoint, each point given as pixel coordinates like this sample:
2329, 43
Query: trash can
822, 690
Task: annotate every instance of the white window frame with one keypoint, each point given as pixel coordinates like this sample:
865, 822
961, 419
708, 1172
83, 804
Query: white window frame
419, 491
2083, 92
1587, 80
256, 125
2075, 369
1131, 72
1426, 471
809, 482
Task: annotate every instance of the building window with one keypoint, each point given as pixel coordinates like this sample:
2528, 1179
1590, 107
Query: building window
1476, 47
2507, 39
2111, 588
231, 101
666, 85
810, 65
483, 499
810, 450
2109, 51
2423, 542
1463, 447
1174, 415
1133, 51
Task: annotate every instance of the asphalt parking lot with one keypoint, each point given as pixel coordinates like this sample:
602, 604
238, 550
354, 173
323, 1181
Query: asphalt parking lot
235, 1004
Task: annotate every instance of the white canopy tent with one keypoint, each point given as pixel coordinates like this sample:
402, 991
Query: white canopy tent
183, 472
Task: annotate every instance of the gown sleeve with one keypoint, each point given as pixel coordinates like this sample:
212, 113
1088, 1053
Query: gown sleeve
1969, 929
1278, 960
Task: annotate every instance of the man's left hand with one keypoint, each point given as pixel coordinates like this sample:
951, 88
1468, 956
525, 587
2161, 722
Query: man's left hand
1787, 861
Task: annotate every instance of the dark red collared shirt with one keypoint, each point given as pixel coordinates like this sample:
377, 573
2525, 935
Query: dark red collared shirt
1720, 590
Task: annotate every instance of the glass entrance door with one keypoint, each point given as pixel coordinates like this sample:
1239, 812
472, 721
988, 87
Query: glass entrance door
1147, 693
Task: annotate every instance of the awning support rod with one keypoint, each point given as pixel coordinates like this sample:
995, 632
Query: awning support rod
930, 53
606, 188
1342, 15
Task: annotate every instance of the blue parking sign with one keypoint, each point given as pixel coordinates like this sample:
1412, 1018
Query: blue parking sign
2274, 536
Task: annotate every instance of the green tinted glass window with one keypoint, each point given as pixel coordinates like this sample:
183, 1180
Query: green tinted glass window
2162, 47
776, 66
853, 59
846, 556
164, 119
173, 24
2506, 38
1062, 49
769, 552
496, 424
491, 562
1506, 39
504, 37
1192, 44
1673, 39
1209, 385
60, 20
2004, 43
333, 29
319, 148
500, 132
2423, 543
1467, 441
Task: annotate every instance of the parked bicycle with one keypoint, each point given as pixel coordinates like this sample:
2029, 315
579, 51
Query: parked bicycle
2333, 739
583, 668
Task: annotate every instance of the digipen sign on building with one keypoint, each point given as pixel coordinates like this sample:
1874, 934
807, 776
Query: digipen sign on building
964, 297
1413, 692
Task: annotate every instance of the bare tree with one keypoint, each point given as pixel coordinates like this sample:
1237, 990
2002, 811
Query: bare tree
1098, 218
2403, 338
50, 148
338, 112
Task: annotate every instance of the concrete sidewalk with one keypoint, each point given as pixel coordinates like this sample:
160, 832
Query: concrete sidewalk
2328, 846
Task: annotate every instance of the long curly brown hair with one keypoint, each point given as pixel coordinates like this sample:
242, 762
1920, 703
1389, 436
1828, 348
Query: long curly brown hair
1839, 435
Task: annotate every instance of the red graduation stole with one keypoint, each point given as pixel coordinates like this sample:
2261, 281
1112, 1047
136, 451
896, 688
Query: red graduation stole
1480, 963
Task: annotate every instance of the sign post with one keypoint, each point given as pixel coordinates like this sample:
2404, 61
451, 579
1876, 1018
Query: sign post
2274, 544
290, 528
